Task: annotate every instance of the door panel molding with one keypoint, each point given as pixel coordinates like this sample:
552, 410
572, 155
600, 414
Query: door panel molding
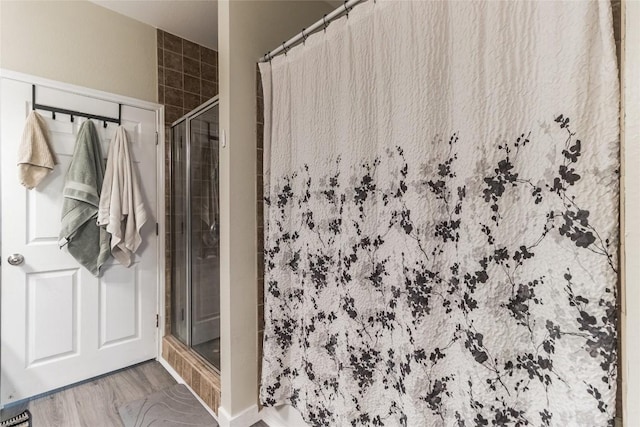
108, 335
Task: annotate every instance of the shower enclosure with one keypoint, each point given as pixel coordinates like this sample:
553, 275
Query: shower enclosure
195, 231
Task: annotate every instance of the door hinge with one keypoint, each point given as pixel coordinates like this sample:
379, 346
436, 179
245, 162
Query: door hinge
157, 137
157, 320
157, 229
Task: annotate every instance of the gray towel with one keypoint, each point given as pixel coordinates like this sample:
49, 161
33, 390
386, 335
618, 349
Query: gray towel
87, 242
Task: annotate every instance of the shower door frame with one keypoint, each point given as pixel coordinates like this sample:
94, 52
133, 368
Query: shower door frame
202, 108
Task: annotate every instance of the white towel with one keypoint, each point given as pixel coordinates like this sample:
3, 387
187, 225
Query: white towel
121, 207
35, 156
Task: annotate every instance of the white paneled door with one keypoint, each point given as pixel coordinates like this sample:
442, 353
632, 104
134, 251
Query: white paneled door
60, 324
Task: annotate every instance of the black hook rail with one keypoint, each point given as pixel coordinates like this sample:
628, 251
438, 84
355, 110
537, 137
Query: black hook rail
72, 113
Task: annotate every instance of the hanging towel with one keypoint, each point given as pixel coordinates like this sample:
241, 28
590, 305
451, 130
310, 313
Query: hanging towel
121, 208
87, 242
35, 156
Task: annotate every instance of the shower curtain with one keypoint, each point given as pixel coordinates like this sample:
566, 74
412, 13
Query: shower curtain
441, 219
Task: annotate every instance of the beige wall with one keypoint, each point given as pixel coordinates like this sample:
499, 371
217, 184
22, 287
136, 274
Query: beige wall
81, 43
246, 30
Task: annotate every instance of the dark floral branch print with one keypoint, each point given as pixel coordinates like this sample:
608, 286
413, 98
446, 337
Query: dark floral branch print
402, 291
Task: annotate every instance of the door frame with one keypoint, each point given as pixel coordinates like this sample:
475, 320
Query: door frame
160, 172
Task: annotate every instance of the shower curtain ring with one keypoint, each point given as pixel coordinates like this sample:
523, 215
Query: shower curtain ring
346, 9
304, 36
324, 21
284, 48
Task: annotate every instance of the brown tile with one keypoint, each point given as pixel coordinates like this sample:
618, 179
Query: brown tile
191, 100
160, 57
209, 56
160, 75
159, 38
172, 43
215, 88
216, 402
165, 350
260, 110
191, 84
173, 60
195, 378
191, 49
191, 67
260, 291
173, 79
259, 190
209, 72
173, 97
205, 389
260, 243
260, 137
258, 80
161, 94
260, 212
261, 254
259, 166
208, 89
171, 113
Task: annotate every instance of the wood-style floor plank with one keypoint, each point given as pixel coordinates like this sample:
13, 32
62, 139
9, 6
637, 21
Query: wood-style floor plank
95, 403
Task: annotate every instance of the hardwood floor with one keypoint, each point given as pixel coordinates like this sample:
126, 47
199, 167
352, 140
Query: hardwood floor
95, 403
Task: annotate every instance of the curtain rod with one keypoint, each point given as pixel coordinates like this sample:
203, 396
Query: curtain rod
321, 24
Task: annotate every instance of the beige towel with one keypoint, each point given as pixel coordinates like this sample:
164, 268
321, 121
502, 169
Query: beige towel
121, 208
35, 156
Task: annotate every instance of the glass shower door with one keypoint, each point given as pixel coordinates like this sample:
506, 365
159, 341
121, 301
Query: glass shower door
205, 235
195, 232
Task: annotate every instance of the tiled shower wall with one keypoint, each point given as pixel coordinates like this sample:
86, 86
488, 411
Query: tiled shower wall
187, 77
617, 30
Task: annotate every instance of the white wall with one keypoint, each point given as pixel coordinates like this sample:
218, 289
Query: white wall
246, 30
630, 300
81, 43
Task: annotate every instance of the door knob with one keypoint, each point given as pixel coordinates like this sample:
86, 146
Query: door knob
15, 259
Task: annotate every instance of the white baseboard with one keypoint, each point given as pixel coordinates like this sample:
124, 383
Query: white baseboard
246, 418
271, 417
282, 416
180, 380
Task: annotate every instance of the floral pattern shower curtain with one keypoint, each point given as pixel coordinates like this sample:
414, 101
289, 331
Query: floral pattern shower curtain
442, 217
